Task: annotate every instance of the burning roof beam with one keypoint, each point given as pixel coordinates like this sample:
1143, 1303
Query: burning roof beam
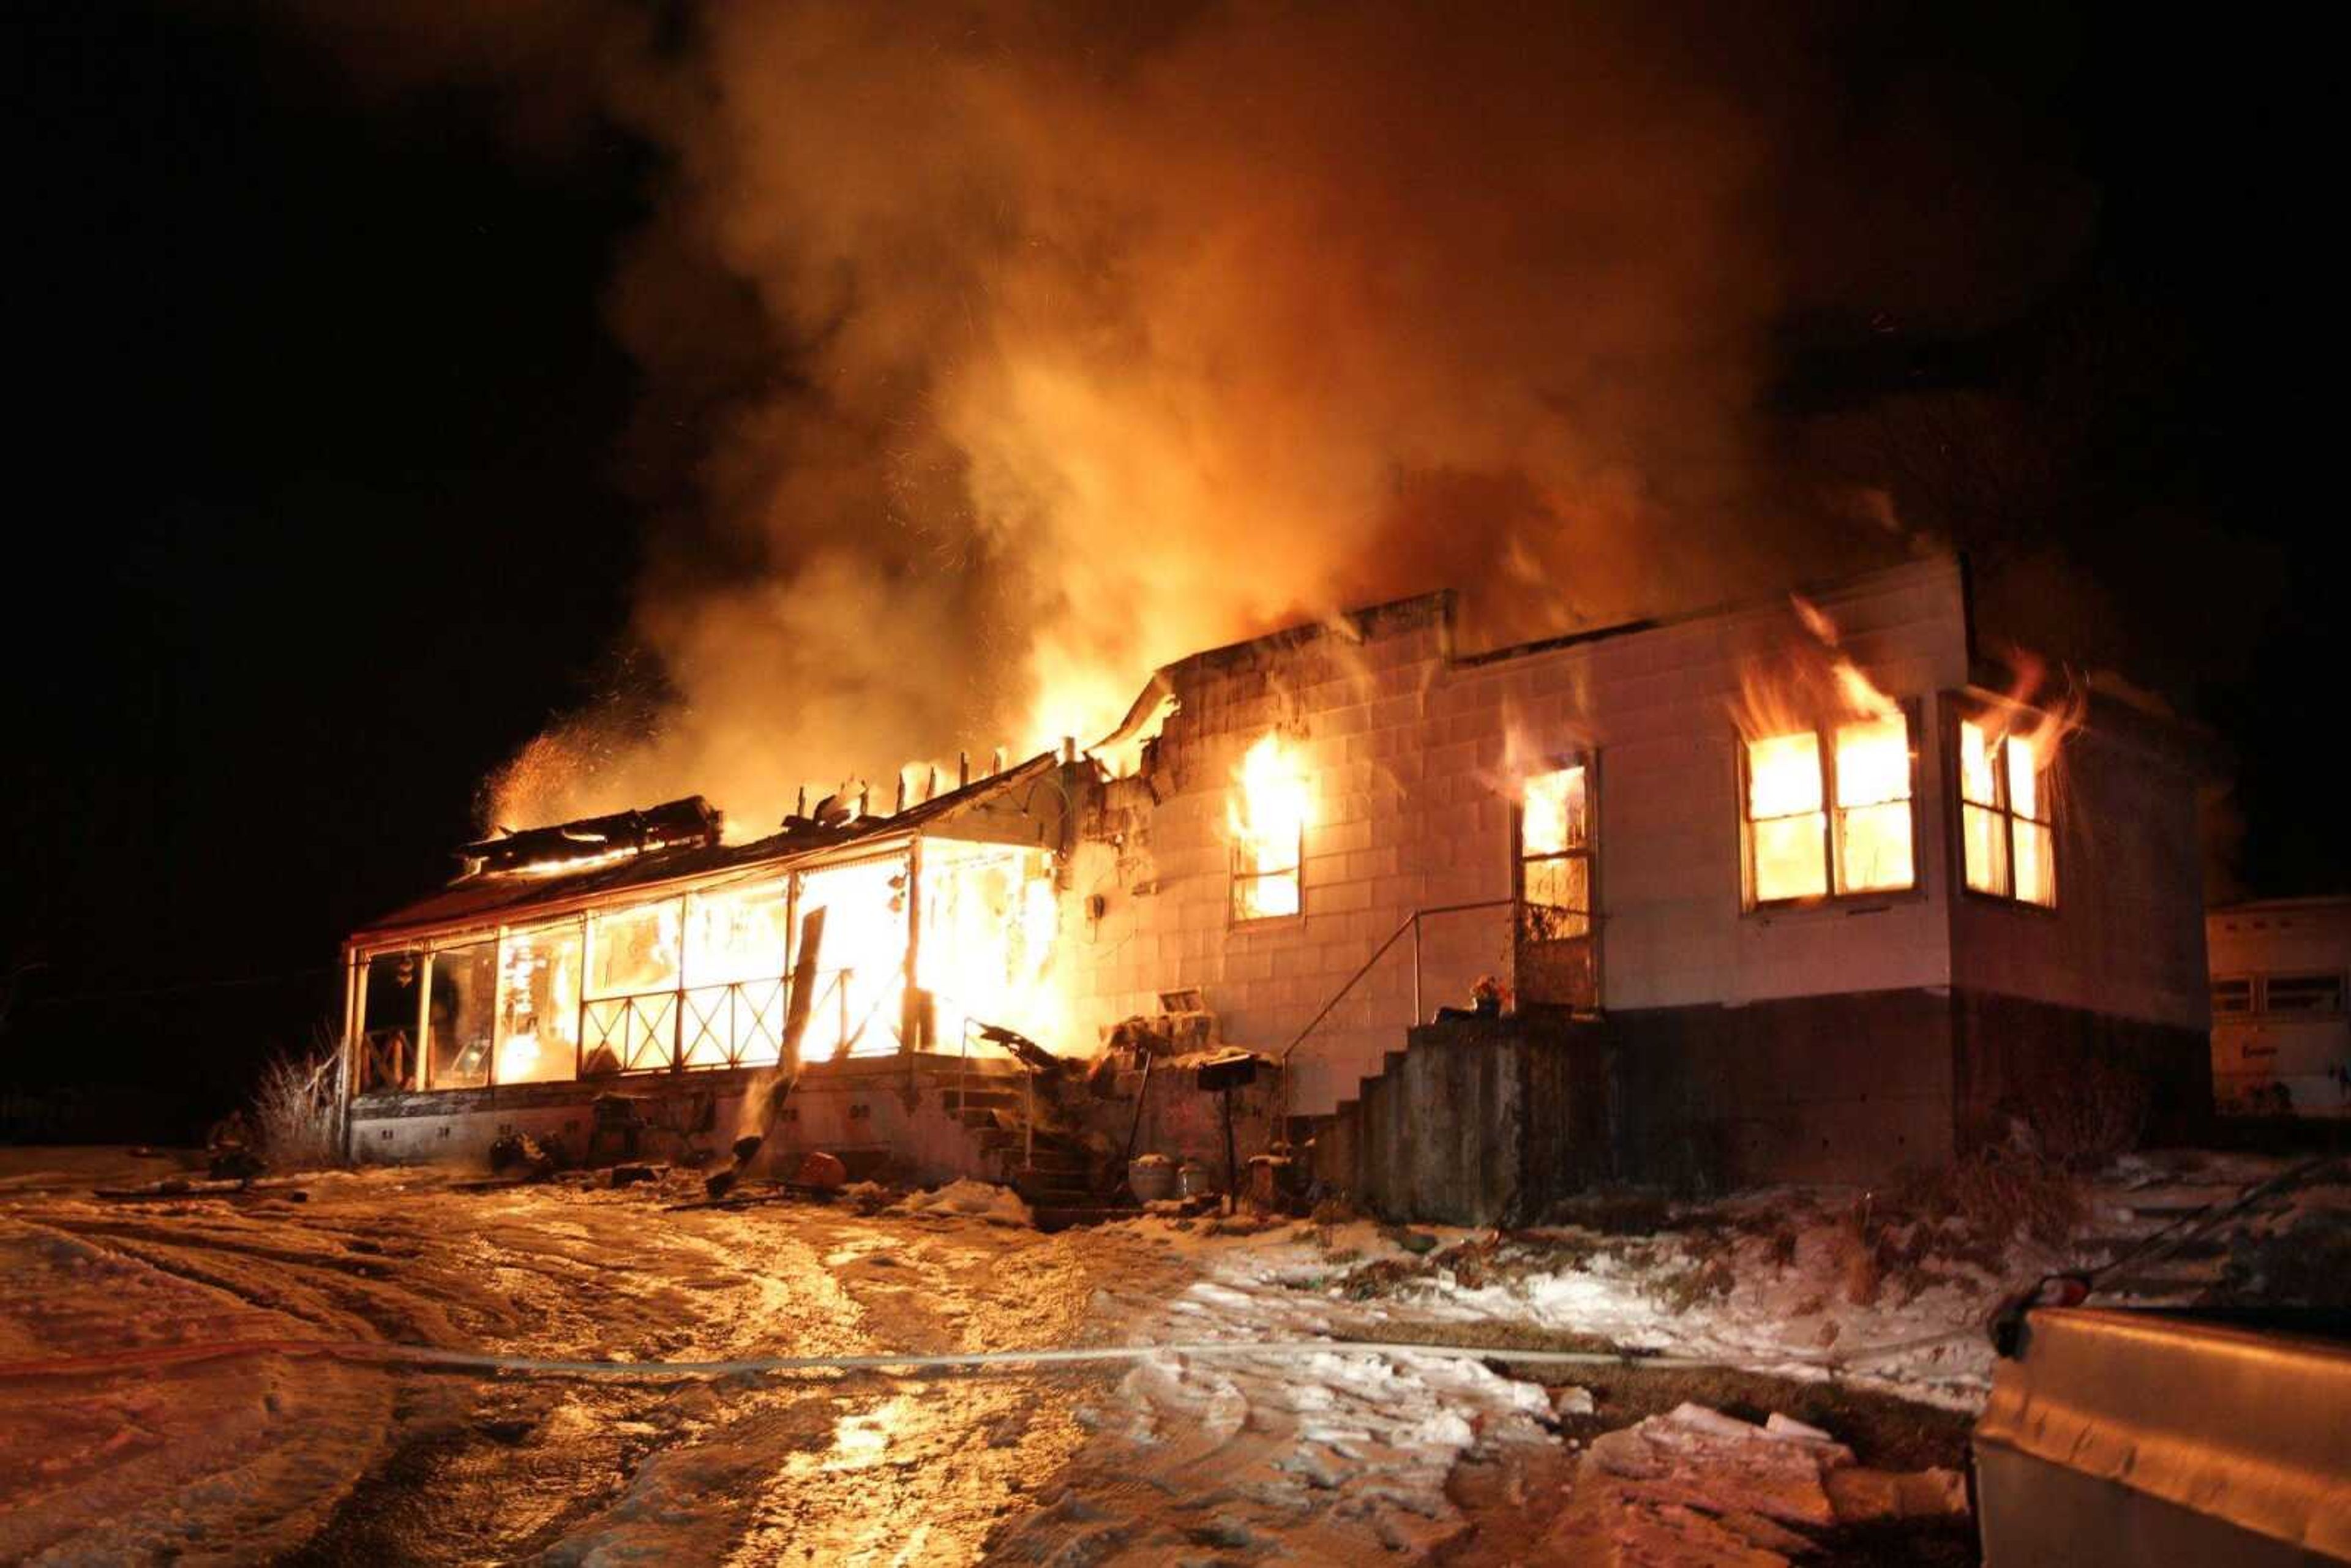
570, 846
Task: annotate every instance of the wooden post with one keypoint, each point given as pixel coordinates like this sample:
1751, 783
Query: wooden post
803, 1000
1232, 1166
498, 1009
423, 1018
910, 1013
355, 1032
587, 957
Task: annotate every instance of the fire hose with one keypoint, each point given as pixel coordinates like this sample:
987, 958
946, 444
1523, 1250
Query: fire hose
435, 1357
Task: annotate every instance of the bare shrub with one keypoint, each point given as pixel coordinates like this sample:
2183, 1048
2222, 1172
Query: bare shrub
293, 1109
2091, 1113
1995, 1190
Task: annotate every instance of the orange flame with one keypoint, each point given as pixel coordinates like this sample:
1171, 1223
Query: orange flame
1272, 807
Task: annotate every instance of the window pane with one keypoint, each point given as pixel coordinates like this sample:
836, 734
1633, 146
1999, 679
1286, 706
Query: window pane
1558, 898
1873, 761
1552, 819
1562, 882
861, 967
635, 951
1265, 897
1985, 835
2303, 993
1875, 855
1789, 861
463, 980
737, 934
2024, 778
2232, 996
1978, 781
1783, 775
2036, 871
538, 1032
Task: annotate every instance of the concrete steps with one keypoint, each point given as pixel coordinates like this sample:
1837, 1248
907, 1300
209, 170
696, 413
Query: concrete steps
1471, 1121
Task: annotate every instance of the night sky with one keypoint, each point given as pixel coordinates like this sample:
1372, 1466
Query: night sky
327, 513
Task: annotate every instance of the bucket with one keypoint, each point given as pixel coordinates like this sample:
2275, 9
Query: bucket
1150, 1177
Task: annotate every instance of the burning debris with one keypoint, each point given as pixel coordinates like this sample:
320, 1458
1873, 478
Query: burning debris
592, 842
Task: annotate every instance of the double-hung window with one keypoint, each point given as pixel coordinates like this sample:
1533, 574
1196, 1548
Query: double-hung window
1827, 811
1555, 853
2008, 836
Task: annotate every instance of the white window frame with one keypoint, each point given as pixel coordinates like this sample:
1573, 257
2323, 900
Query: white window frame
1832, 816
2007, 817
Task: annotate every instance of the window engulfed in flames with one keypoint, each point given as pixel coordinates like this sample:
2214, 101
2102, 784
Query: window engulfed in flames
1554, 851
1272, 807
2007, 832
990, 922
1828, 776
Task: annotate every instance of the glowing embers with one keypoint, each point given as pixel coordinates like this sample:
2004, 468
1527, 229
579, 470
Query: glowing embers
1271, 807
1555, 853
1830, 811
2008, 836
990, 922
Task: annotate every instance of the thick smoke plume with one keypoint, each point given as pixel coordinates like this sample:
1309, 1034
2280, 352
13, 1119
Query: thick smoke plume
1014, 349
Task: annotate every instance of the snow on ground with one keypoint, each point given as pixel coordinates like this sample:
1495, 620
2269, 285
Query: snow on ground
1316, 1453
977, 1200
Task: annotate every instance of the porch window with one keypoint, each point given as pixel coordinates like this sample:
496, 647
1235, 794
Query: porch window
1555, 854
538, 1004
388, 1029
736, 942
632, 988
463, 981
859, 984
2008, 837
1828, 812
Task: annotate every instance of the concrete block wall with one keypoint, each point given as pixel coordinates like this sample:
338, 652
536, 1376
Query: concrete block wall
2128, 936
1414, 757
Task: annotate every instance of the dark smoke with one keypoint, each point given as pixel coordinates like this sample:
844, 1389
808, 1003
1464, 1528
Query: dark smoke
999, 352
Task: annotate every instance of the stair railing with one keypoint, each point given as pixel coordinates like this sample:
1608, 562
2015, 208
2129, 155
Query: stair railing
1412, 924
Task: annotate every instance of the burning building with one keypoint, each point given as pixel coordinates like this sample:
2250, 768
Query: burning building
1802, 890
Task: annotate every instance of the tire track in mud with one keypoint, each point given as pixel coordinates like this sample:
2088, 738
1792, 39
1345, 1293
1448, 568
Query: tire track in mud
367, 1465
214, 1462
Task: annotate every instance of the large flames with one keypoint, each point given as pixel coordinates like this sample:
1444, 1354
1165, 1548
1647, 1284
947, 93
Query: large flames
1271, 807
1828, 761
2008, 818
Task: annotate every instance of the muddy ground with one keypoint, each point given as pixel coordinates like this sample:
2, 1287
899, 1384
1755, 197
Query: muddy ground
283, 1457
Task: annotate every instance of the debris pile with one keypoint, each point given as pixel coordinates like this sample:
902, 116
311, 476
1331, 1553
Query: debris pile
1697, 1484
978, 1199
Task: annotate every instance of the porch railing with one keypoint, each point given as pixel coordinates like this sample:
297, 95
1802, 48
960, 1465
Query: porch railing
738, 1024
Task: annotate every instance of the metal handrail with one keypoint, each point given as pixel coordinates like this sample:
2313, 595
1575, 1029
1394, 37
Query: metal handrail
1412, 924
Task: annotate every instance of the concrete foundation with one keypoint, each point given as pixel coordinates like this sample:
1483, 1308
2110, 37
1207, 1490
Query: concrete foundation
1480, 1123
882, 1114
